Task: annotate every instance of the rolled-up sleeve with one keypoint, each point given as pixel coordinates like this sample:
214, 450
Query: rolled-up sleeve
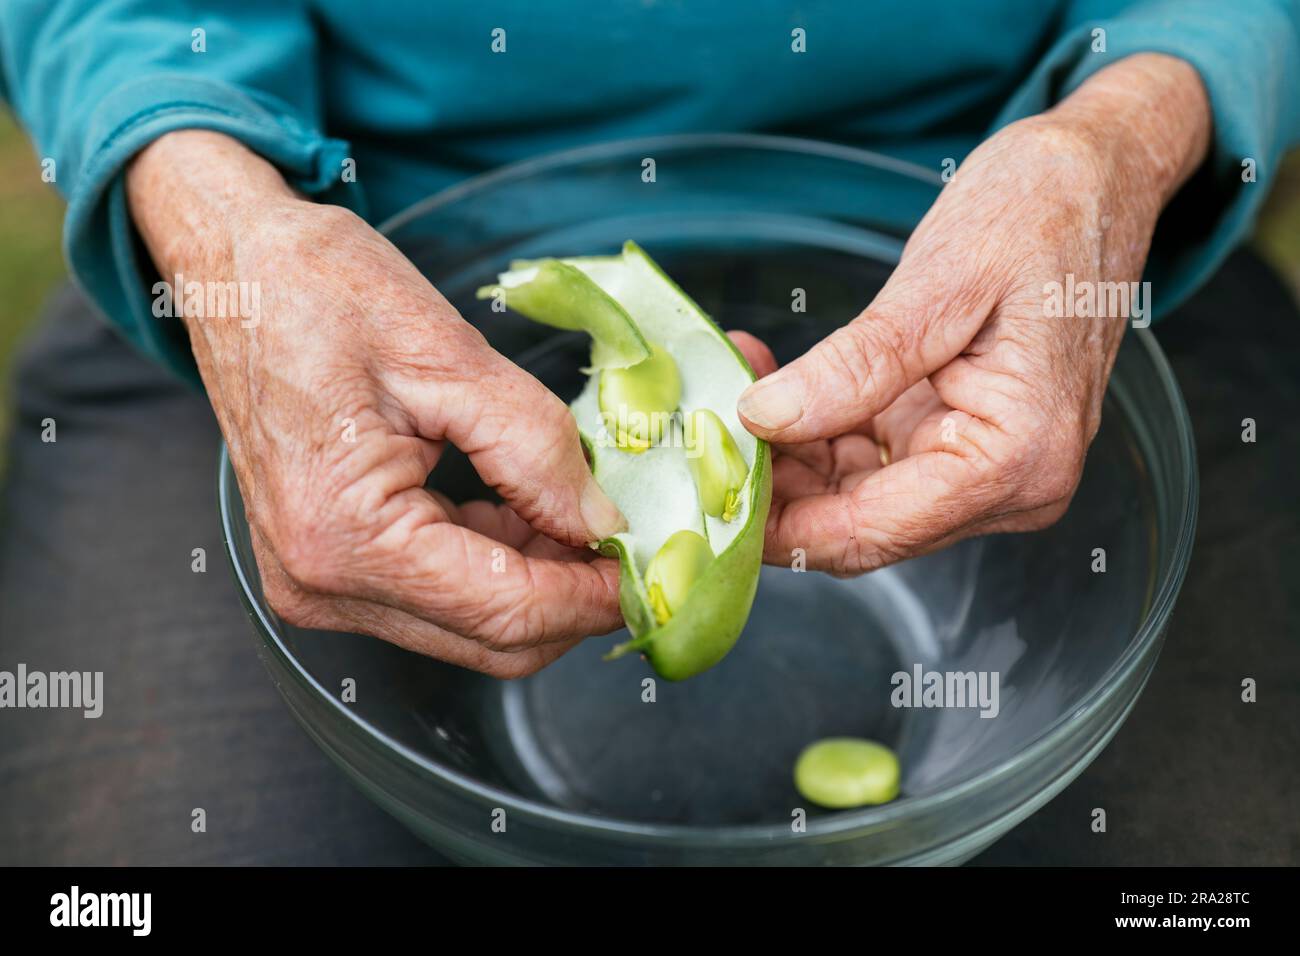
1248, 55
95, 82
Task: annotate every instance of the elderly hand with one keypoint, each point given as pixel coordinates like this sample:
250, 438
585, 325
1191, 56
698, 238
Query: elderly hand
338, 401
956, 404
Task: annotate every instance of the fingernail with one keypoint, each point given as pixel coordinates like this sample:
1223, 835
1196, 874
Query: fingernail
773, 403
602, 517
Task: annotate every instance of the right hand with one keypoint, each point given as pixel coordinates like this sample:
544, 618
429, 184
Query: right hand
336, 406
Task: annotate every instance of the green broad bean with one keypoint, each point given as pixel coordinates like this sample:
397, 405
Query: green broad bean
638, 401
843, 772
674, 570
716, 464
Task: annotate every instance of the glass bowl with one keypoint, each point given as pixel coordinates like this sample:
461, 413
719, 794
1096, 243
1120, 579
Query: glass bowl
574, 761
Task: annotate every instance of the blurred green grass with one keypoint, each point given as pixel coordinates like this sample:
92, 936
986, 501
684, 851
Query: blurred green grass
1277, 233
31, 224
31, 263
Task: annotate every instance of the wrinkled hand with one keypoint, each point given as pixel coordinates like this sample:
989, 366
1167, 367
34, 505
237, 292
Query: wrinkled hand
337, 405
956, 404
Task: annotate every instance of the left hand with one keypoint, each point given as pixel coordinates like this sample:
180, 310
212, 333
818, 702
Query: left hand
956, 404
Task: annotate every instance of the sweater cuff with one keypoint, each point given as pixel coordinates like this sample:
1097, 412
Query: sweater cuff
106, 256
1249, 61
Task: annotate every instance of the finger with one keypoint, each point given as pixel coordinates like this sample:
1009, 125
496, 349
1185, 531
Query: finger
792, 478
860, 369
480, 588
855, 457
408, 556
521, 601
893, 428
523, 442
795, 475
894, 513
395, 626
756, 352
390, 462
1006, 522
301, 608
541, 546
817, 455
496, 521
499, 521
998, 521
411, 633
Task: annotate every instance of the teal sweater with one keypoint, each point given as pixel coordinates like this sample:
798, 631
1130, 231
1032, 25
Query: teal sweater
414, 92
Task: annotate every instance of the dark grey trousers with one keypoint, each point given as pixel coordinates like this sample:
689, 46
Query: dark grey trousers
97, 531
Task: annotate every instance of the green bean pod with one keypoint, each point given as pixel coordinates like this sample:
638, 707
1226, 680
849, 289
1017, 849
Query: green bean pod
696, 495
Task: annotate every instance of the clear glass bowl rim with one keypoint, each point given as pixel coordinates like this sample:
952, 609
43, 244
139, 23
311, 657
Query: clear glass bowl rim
842, 822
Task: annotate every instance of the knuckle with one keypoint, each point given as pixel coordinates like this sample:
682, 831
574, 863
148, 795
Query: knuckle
995, 464
509, 628
510, 622
863, 556
864, 358
1046, 516
525, 417
869, 547
319, 535
1055, 470
991, 463
305, 553
513, 666
291, 605
1061, 479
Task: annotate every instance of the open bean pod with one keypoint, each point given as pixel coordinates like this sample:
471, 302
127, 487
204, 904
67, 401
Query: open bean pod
658, 417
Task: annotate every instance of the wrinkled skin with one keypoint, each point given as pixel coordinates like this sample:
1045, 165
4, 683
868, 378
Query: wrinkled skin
345, 535
954, 405
338, 403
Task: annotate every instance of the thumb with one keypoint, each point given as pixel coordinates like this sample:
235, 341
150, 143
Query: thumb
857, 371
523, 442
